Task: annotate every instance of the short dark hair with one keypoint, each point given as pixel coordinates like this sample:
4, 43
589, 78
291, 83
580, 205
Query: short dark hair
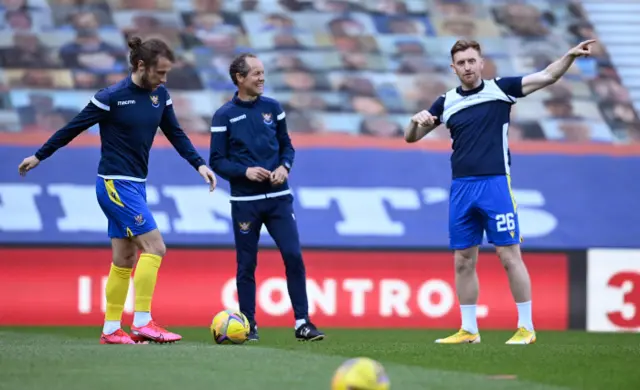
239, 65
148, 51
462, 45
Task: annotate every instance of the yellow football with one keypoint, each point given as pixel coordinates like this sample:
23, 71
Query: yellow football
229, 327
360, 373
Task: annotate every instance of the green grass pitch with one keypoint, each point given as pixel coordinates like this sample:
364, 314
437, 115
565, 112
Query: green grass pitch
70, 358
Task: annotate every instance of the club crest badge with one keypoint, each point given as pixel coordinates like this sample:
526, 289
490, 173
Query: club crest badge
139, 220
267, 118
245, 227
155, 101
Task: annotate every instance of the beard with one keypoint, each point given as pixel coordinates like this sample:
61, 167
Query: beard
146, 84
469, 80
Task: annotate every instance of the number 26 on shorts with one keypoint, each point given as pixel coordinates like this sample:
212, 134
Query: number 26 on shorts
505, 222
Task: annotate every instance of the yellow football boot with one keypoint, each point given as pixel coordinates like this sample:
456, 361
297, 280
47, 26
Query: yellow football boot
522, 336
461, 337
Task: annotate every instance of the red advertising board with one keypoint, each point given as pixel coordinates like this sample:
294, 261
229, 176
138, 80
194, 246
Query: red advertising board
346, 289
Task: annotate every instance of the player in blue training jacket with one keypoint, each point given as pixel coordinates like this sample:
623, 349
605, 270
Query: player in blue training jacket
477, 114
129, 114
251, 148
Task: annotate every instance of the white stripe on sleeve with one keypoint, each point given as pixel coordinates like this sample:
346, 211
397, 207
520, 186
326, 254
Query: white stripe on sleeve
99, 104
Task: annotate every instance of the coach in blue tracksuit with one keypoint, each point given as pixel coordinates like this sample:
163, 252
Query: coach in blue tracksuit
251, 148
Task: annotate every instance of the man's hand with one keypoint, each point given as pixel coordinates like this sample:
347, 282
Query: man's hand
28, 164
424, 118
209, 176
279, 176
583, 49
257, 174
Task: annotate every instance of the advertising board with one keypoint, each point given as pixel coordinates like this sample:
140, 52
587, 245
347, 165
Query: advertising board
345, 289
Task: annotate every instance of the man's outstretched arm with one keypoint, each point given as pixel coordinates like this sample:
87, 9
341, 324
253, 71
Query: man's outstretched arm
555, 70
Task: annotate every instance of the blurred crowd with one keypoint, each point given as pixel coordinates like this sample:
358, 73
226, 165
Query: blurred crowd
351, 66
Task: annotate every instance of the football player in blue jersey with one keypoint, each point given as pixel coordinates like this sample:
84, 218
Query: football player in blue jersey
129, 114
477, 115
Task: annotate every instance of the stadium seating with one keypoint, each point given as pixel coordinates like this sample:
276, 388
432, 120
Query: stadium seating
357, 67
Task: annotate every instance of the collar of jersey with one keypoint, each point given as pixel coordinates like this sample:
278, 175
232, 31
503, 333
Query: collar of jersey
236, 100
477, 89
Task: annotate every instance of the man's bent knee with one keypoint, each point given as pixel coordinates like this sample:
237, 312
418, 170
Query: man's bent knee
294, 264
246, 266
292, 257
124, 252
465, 260
246, 272
509, 255
152, 243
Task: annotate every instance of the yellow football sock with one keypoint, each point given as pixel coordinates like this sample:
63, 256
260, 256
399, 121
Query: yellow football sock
145, 279
116, 291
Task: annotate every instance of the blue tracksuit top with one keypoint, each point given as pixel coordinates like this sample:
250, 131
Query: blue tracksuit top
250, 134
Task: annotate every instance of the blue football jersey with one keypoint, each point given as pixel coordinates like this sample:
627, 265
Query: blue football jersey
478, 120
129, 117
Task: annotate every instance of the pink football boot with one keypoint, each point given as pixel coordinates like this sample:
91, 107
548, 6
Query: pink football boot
117, 337
153, 332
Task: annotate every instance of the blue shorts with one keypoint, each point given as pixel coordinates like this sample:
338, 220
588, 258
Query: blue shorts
124, 203
482, 203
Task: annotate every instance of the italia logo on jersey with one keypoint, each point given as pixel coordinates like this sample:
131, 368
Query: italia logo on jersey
155, 101
267, 118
